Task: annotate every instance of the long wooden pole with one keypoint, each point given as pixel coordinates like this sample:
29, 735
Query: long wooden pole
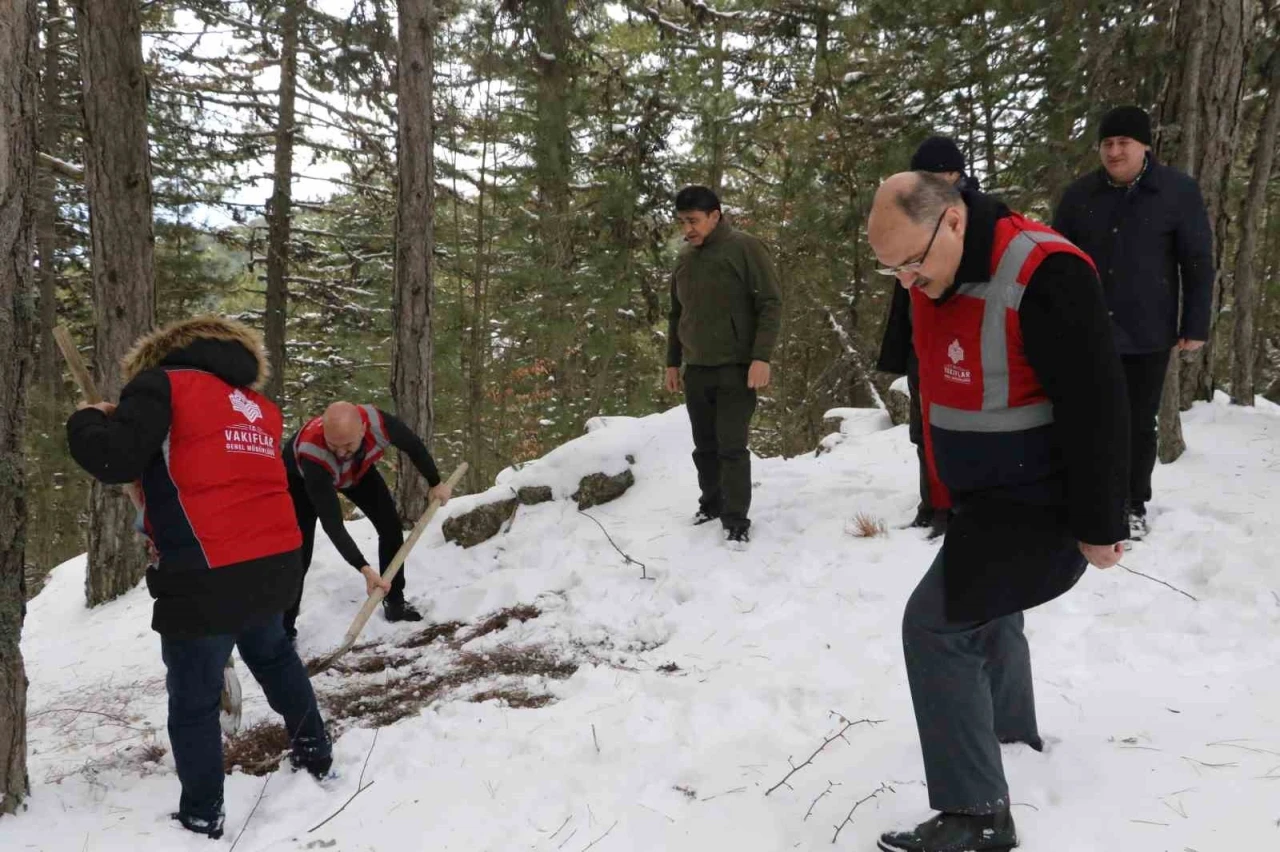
371, 603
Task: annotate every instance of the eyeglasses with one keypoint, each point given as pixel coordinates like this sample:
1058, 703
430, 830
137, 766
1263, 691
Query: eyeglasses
914, 266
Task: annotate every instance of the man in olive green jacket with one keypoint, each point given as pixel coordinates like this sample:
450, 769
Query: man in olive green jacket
726, 310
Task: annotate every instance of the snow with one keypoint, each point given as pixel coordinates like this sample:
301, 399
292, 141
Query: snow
1161, 713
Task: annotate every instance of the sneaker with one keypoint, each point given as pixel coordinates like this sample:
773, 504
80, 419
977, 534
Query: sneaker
702, 516
399, 609
312, 754
1138, 526
955, 833
737, 537
210, 828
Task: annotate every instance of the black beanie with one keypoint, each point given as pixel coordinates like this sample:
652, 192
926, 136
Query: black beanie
937, 154
1126, 121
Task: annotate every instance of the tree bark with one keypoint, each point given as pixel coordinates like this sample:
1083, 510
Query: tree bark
279, 208
1225, 36
1177, 144
47, 370
412, 345
17, 325
1251, 222
118, 180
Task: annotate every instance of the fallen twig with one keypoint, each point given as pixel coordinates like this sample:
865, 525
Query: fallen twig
1161, 582
594, 738
360, 786
725, 793
814, 803
601, 837
629, 560
261, 793
838, 735
849, 817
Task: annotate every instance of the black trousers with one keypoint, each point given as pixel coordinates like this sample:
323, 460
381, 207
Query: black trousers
720, 408
971, 690
371, 496
1144, 377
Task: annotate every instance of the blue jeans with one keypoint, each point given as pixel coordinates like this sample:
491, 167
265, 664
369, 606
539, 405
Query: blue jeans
194, 681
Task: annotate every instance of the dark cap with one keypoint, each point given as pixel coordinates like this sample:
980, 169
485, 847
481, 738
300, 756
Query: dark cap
937, 154
1128, 121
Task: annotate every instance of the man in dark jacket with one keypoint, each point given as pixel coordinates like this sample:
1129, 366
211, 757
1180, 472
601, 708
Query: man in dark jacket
726, 310
205, 445
942, 157
1024, 419
339, 452
1144, 224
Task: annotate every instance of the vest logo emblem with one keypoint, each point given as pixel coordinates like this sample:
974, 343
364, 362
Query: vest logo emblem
953, 372
241, 403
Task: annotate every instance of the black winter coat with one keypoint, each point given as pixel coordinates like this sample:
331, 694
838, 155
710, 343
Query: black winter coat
1147, 241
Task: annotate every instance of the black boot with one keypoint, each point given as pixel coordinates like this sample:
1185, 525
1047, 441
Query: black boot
399, 609
210, 828
313, 755
955, 833
737, 536
938, 524
702, 516
923, 518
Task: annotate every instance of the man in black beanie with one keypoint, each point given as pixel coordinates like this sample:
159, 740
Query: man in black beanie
942, 157
1144, 224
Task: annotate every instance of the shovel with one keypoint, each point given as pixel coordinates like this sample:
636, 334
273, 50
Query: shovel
230, 717
320, 664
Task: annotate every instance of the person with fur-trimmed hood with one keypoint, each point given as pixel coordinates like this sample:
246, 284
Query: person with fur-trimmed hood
192, 428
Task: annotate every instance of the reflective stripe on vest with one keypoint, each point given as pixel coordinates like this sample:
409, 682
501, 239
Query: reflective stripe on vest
1001, 294
310, 444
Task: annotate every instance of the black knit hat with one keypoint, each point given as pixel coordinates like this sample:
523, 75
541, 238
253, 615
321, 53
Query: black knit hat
937, 154
1128, 121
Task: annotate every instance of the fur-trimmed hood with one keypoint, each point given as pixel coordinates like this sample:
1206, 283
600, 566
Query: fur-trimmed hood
228, 349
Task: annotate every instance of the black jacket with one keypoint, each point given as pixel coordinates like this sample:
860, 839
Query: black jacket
190, 600
1013, 550
311, 478
1147, 241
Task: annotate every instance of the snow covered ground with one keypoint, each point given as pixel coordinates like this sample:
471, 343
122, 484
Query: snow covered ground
1163, 714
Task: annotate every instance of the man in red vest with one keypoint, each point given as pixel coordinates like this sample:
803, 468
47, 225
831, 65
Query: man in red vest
338, 452
193, 429
1025, 425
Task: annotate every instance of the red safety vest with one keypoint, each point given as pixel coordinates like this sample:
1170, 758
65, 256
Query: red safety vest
218, 495
986, 416
310, 444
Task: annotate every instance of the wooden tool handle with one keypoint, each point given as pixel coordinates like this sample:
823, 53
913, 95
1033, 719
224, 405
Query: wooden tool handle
75, 363
89, 388
394, 568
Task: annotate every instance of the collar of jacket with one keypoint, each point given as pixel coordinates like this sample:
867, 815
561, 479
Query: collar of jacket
717, 234
1150, 179
979, 239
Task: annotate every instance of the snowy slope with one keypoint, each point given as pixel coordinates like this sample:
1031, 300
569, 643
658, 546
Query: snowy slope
1163, 714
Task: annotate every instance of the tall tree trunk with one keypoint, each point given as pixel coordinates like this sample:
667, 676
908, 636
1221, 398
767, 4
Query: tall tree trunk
717, 120
1226, 38
1251, 221
279, 208
118, 179
17, 321
1177, 144
47, 370
412, 345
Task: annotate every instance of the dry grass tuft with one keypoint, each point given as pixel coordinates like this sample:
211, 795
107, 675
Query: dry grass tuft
868, 526
256, 750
